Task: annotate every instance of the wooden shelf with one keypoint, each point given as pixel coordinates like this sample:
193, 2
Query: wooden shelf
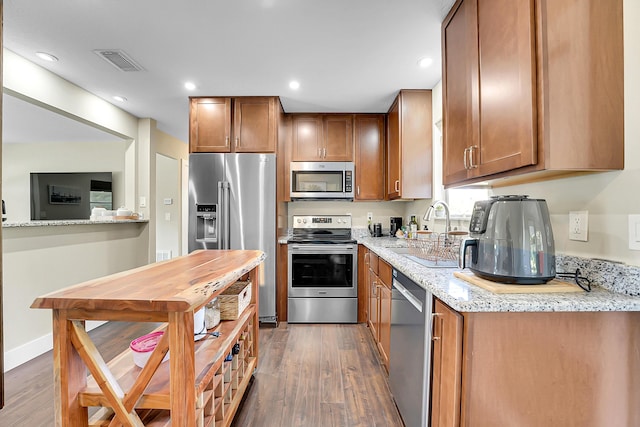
162, 417
209, 355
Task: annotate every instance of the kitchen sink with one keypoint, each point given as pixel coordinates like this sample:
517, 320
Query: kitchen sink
431, 263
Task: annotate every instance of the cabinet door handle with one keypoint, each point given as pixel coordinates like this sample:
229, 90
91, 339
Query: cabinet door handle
237, 142
396, 186
324, 153
464, 158
320, 152
358, 189
471, 164
226, 141
366, 258
436, 317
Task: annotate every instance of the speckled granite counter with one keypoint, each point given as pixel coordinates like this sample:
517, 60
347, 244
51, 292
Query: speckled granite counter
465, 297
57, 223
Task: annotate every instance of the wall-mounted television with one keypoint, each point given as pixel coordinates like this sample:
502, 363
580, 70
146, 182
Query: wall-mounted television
69, 195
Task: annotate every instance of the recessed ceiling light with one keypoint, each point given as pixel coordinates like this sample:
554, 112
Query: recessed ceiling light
46, 56
190, 86
120, 98
425, 62
294, 85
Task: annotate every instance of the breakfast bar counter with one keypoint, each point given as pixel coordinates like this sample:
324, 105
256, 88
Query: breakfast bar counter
189, 389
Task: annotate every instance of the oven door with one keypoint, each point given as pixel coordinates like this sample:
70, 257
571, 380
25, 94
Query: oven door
323, 270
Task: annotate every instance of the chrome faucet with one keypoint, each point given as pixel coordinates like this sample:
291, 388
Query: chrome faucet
429, 213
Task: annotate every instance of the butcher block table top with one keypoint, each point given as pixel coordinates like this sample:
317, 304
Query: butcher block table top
177, 285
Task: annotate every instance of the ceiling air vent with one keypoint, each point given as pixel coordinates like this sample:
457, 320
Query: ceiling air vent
118, 59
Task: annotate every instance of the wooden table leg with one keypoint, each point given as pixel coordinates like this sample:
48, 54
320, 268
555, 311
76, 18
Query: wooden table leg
70, 375
256, 275
182, 363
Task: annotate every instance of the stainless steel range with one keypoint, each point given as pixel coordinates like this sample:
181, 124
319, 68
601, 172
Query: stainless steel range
323, 285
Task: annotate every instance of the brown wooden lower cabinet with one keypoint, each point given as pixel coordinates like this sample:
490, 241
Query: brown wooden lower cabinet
447, 365
363, 284
535, 369
374, 300
376, 278
384, 311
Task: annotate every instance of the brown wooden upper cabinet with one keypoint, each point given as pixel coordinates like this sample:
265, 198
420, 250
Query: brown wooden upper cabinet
409, 146
369, 156
252, 130
322, 137
522, 93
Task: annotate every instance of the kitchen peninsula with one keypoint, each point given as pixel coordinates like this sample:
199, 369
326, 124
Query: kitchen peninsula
195, 386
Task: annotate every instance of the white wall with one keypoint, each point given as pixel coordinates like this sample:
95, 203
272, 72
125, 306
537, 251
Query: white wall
168, 216
176, 230
28, 81
358, 210
19, 160
39, 260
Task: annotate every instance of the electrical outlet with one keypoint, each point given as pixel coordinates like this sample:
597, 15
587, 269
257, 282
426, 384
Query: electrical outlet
579, 225
369, 216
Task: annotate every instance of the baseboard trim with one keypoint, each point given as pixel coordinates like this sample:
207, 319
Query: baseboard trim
34, 348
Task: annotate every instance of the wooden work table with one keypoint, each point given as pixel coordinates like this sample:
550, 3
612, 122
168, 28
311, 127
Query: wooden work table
170, 292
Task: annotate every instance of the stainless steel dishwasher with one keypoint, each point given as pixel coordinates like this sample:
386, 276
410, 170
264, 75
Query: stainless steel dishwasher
410, 354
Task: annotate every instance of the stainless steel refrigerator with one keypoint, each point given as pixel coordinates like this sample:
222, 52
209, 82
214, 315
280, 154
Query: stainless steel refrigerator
232, 205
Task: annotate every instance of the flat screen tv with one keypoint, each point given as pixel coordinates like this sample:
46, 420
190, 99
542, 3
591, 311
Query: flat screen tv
69, 195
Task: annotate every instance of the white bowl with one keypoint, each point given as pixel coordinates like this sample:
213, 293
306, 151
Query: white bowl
143, 346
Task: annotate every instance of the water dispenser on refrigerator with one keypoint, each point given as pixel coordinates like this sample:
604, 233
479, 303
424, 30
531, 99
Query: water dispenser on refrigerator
206, 225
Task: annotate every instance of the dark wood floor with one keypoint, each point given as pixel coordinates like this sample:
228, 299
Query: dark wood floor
308, 375
318, 376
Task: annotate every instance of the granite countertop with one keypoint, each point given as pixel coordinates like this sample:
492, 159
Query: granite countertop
465, 297
55, 223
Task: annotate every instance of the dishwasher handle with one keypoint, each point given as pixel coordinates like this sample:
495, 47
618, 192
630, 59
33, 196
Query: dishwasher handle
408, 295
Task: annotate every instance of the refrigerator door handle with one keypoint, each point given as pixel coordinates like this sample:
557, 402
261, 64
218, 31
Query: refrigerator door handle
226, 215
220, 218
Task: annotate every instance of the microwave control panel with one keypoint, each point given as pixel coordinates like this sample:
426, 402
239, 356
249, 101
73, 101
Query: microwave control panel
348, 181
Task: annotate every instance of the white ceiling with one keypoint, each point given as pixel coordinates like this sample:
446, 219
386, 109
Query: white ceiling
348, 55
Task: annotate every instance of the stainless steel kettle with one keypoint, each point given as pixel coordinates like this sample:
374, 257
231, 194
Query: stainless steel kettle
511, 241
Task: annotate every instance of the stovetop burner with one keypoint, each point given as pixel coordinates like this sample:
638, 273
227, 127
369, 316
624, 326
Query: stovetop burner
328, 229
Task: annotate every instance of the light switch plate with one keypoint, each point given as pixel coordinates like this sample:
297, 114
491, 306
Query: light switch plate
579, 225
634, 232
168, 201
143, 202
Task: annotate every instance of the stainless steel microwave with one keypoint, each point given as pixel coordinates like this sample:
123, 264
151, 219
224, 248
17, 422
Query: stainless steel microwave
322, 180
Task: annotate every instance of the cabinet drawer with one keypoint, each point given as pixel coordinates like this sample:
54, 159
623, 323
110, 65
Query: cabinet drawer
384, 272
373, 262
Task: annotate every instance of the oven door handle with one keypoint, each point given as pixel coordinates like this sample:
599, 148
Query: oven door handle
321, 248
